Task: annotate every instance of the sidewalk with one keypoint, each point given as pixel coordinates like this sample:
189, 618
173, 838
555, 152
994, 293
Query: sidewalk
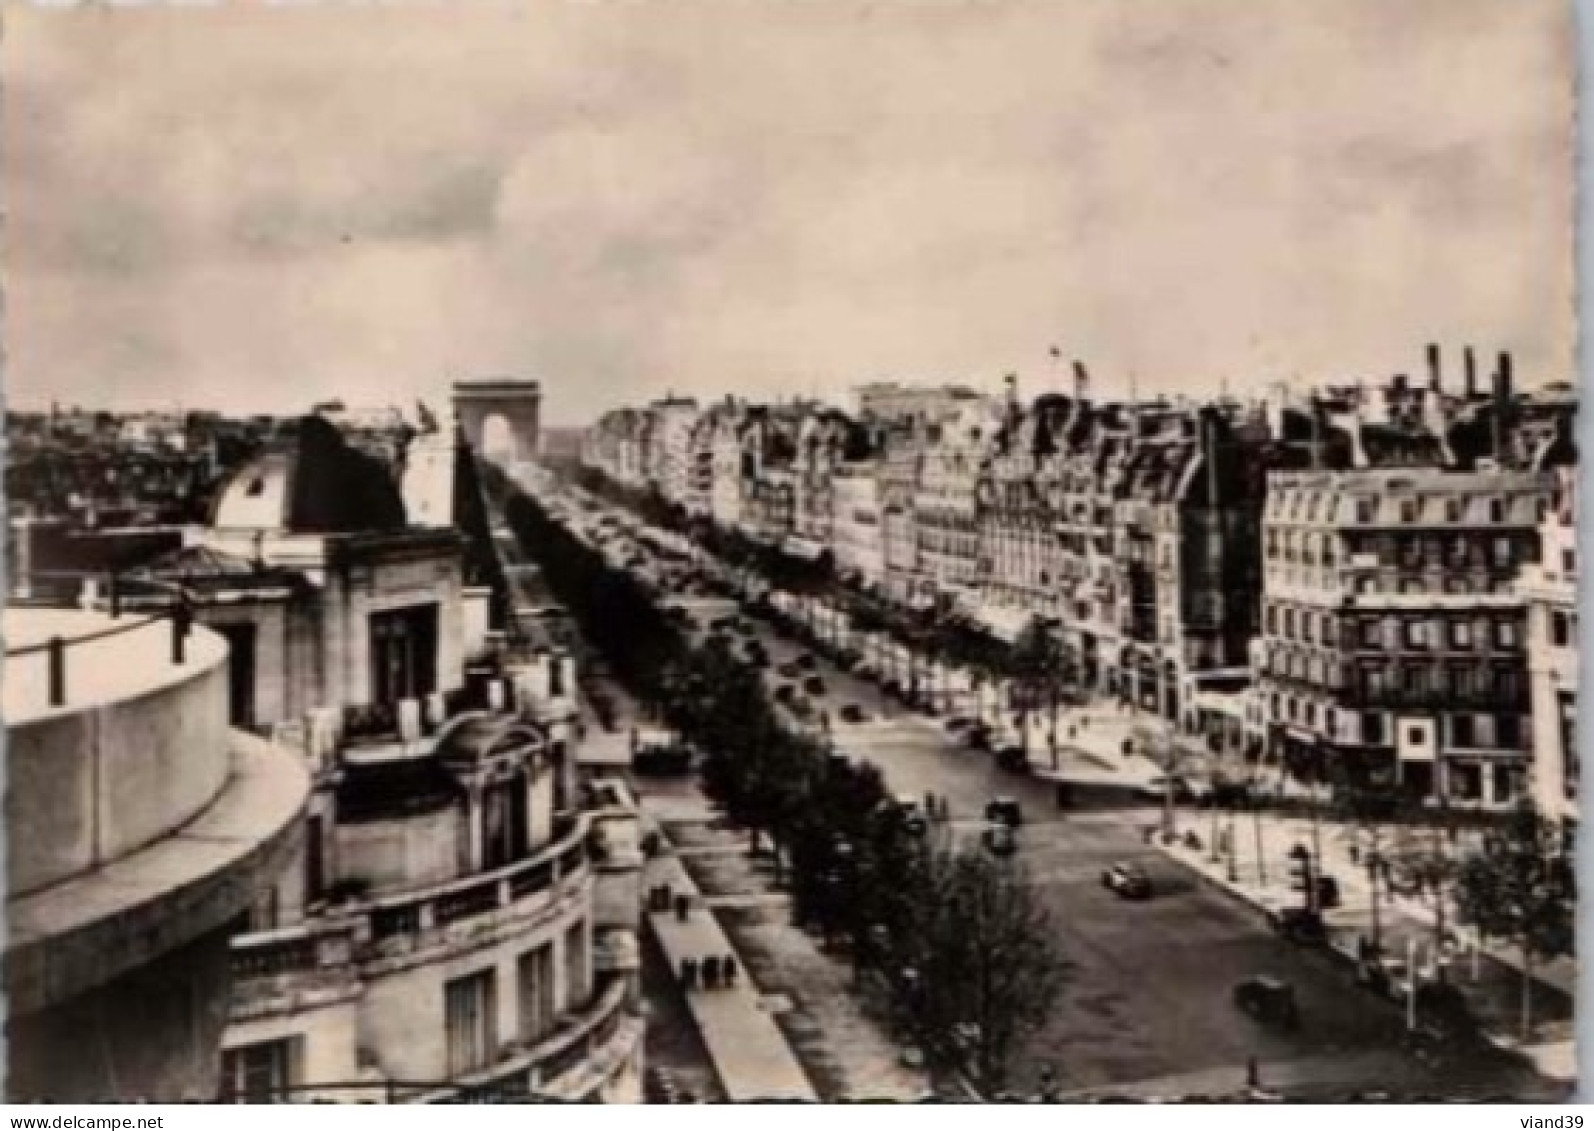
750, 1054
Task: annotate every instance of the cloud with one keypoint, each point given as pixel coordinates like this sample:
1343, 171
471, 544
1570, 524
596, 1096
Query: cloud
249, 206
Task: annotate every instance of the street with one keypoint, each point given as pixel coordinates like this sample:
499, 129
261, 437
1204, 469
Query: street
1149, 984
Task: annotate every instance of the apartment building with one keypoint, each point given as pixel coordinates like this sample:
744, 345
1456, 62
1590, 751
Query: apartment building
1550, 589
944, 505
460, 922
858, 536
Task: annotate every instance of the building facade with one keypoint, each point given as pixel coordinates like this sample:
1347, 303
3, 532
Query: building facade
1550, 589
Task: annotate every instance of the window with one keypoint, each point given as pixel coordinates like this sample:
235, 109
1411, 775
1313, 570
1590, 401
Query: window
470, 1025
1560, 629
1505, 783
1465, 781
1569, 561
1453, 510
1496, 510
1408, 510
577, 964
1416, 634
1505, 634
537, 1012
1289, 624
1461, 731
1372, 634
1460, 634
1508, 731
1502, 552
1306, 627
259, 1073
1366, 510
1272, 620
1372, 728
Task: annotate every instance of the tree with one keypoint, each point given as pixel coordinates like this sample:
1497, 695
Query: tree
1519, 887
988, 968
1425, 865
1171, 759
1037, 664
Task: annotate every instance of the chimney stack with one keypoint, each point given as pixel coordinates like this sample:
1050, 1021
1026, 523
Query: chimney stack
1081, 381
1502, 405
1471, 365
1434, 377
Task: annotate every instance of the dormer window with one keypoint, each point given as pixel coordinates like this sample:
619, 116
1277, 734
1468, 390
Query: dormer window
256, 488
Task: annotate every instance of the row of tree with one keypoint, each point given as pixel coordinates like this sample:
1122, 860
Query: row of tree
949, 940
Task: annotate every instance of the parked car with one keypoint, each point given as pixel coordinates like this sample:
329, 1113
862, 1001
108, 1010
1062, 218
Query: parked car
789, 670
1299, 925
1385, 976
978, 736
852, 713
814, 686
1128, 881
958, 723
807, 662
1157, 788
1004, 810
999, 839
1012, 759
784, 693
1269, 1000
912, 812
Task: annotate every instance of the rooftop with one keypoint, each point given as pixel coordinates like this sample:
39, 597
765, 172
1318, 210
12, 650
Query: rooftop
107, 659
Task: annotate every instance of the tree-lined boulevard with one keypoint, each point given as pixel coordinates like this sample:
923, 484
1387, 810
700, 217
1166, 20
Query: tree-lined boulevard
1085, 991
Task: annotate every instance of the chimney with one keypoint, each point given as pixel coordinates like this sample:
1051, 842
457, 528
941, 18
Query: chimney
1471, 364
1081, 381
1434, 377
1502, 405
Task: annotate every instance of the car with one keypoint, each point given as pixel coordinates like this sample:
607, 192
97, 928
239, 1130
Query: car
912, 812
1004, 810
1129, 881
1385, 976
784, 693
789, 670
999, 839
1269, 1000
958, 723
978, 736
814, 686
852, 713
1012, 759
1157, 788
1299, 925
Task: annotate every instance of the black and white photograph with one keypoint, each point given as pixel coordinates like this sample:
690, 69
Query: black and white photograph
735, 551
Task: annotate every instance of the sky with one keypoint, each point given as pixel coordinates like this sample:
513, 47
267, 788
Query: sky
256, 208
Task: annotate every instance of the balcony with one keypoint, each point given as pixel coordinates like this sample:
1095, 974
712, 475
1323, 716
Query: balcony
280, 971
583, 1050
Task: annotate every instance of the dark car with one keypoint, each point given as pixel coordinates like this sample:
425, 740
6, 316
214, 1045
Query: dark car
999, 839
814, 686
784, 693
958, 723
1012, 759
1005, 811
807, 662
790, 671
978, 736
1268, 1000
1299, 925
852, 713
1128, 881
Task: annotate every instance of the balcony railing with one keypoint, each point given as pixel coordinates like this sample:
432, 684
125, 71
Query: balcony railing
579, 1035
273, 962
